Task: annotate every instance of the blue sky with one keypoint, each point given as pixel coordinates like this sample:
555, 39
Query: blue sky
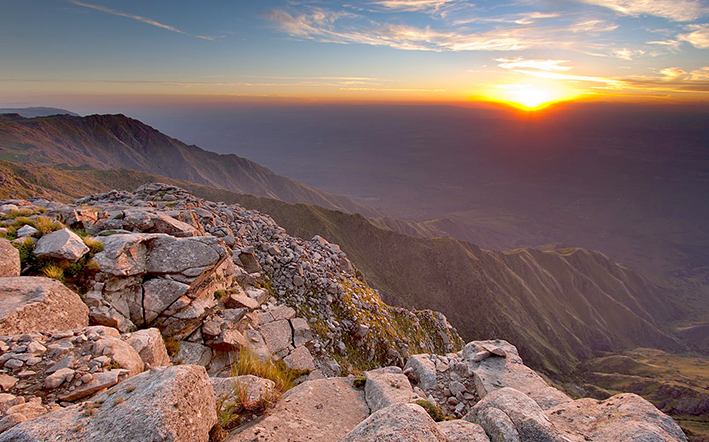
427, 50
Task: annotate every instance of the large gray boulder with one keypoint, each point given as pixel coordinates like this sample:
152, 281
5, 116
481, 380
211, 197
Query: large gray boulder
510, 415
62, 244
150, 346
321, 410
397, 423
9, 259
387, 386
34, 304
163, 404
623, 417
460, 430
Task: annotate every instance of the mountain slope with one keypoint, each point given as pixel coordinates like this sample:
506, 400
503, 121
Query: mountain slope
116, 141
561, 306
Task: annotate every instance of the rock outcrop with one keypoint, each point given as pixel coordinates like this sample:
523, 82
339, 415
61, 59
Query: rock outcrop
9, 259
31, 305
164, 404
397, 423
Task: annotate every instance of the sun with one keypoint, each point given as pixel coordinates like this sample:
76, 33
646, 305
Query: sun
529, 97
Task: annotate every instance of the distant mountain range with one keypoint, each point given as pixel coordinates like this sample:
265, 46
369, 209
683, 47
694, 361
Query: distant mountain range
116, 141
33, 112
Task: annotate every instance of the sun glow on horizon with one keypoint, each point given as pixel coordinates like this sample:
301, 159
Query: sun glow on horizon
528, 97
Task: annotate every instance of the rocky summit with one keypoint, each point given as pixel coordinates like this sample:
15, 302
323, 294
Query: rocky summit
157, 316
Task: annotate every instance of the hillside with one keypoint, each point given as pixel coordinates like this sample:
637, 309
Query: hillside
561, 306
116, 141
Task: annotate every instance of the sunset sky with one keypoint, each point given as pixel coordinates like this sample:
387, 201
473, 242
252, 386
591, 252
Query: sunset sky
528, 52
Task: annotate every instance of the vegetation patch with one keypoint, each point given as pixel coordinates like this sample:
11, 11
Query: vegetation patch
435, 412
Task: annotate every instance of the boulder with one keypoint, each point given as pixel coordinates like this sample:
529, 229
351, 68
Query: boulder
508, 414
386, 387
277, 334
26, 231
246, 388
34, 304
397, 423
62, 244
194, 354
460, 430
171, 255
150, 346
163, 404
9, 259
320, 410
622, 417
423, 370
300, 359
495, 372
159, 294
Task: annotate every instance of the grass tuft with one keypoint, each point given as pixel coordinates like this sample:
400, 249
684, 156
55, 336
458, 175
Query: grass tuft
432, 410
54, 272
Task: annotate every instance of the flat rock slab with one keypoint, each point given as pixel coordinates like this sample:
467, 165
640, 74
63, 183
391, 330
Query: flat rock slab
171, 404
321, 410
460, 430
34, 304
398, 423
385, 388
619, 418
9, 259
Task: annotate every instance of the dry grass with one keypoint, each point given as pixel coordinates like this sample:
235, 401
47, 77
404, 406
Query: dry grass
95, 246
54, 272
248, 363
46, 225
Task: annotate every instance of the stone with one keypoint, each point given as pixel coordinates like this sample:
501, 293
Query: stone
385, 388
120, 353
7, 382
150, 346
321, 410
9, 259
423, 369
151, 407
397, 423
494, 373
10, 421
251, 389
99, 381
248, 260
57, 378
622, 417
301, 331
260, 295
300, 359
229, 340
193, 354
171, 255
33, 304
460, 430
281, 312
62, 244
238, 300
277, 334
526, 416
159, 294
26, 231
123, 254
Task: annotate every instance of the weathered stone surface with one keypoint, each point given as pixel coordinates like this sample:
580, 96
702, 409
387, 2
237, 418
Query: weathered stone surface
386, 387
397, 423
193, 354
156, 222
150, 346
62, 244
123, 254
239, 300
7, 382
495, 372
300, 359
163, 404
171, 255
98, 382
277, 334
423, 370
460, 430
26, 230
33, 304
248, 388
301, 331
619, 418
9, 259
321, 410
528, 420
159, 294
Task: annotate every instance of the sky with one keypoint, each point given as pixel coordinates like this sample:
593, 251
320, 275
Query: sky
528, 52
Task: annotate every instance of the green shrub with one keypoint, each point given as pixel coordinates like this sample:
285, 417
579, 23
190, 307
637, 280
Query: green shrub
359, 381
172, 345
432, 410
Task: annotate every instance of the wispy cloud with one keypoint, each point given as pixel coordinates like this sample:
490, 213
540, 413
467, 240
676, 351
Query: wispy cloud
328, 26
543, 65
698, 37
673, 79
628, 54
413, 5
136, 17
593, 26
676, 10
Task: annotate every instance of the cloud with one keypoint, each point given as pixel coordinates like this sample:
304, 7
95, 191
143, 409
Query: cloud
673, 79
699, 37
675, 10
414, 5
595, 26
328, 26
628, 54
136, 17
543, 65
